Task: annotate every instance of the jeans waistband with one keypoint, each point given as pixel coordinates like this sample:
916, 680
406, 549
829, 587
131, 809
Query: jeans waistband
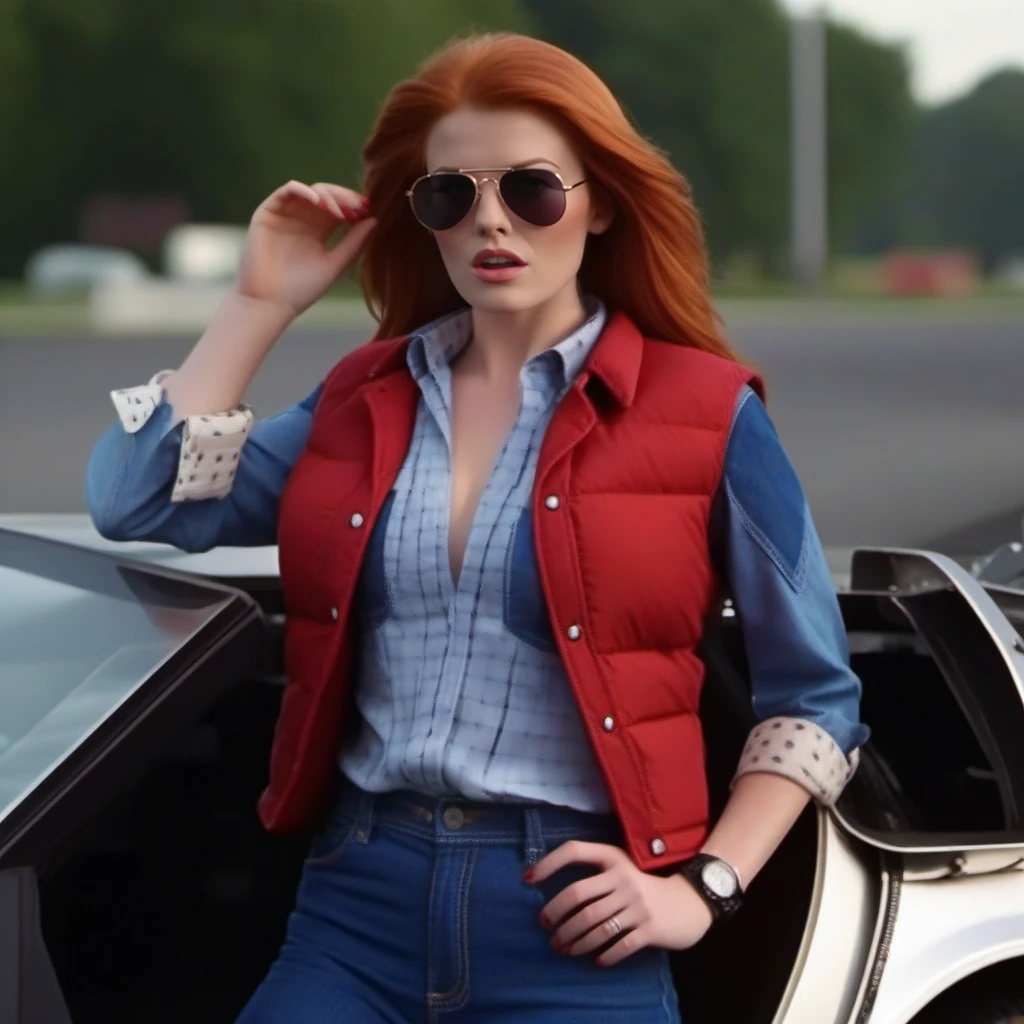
538, 827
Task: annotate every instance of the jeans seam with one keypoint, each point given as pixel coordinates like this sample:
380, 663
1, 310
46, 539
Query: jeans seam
467, 880
458, 995
335, 853
486, 839
669, 996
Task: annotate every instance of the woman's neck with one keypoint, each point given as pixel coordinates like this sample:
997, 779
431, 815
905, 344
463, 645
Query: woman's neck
503, 341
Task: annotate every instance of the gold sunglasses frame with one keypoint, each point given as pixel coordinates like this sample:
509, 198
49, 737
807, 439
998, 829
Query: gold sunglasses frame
469, 172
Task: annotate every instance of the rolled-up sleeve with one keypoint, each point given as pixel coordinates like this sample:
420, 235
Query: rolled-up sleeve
805, 695
196, 482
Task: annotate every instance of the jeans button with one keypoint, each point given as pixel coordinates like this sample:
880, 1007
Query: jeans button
453, 818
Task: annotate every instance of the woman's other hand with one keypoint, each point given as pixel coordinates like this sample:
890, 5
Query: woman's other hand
286, 261
641, 909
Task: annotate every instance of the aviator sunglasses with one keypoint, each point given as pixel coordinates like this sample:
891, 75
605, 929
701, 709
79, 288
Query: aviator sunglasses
537, 195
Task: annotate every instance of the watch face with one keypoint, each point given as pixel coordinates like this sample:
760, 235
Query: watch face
719, 879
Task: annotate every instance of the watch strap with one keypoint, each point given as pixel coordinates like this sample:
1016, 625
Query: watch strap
692, 871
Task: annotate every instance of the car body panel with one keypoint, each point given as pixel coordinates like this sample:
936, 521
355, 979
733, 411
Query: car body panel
946, 930
841, 931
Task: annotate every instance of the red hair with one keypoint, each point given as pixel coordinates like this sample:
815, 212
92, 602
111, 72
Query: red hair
651, 264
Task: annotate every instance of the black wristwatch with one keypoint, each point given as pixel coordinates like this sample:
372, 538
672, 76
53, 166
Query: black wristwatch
716, 881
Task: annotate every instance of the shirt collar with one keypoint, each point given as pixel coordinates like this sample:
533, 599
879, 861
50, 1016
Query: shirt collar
437, 344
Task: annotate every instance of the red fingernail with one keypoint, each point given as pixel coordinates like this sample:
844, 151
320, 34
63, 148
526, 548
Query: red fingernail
544, 920
528, 874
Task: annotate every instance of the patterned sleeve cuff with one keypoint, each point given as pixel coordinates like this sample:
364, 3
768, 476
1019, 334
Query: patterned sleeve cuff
803, 752
210, 445
135, 405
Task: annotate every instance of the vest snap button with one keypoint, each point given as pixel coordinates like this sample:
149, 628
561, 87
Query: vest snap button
657, 847
573, 632
356, 520
453, 818
551, 501
334, 613
608, 723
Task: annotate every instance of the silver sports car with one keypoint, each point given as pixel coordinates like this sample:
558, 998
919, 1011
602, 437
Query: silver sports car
138, 690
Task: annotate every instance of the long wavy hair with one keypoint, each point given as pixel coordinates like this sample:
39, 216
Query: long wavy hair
651, 264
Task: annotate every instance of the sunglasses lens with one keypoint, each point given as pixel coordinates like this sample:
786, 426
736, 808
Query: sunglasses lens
535, 195
440, 201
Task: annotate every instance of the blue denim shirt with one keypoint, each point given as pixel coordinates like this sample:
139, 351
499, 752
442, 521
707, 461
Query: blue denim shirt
460, 688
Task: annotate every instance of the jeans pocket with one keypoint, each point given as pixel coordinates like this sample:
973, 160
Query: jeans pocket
374, 594
332, 841
525, 611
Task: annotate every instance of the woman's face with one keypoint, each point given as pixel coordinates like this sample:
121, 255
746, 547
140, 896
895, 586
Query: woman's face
551, 256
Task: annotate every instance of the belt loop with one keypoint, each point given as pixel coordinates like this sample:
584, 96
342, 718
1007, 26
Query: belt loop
534, 846
364, 816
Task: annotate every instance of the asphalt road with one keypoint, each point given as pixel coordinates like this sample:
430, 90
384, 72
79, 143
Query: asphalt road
904, 431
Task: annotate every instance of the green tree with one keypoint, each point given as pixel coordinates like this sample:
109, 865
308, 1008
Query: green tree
871, 119
968, 169
217, 101
706, 82
709, 83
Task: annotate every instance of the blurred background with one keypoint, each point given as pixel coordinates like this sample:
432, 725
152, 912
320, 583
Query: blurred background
858, 165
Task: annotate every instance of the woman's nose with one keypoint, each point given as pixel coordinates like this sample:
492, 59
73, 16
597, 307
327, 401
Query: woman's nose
491, 214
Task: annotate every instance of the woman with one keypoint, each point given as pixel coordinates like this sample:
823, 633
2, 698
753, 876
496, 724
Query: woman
502, 524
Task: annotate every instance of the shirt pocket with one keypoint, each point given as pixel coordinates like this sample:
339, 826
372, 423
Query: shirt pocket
374, 598
525, 612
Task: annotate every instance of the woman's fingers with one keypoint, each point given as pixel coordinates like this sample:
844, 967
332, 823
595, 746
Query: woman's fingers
623, 933
346, 198
292, 190
342, 203
328, 201
575, 895
586, 930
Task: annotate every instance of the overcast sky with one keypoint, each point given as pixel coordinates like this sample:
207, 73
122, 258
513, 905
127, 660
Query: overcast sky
952, 43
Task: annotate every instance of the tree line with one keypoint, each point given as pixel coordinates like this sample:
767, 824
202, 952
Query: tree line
220, 101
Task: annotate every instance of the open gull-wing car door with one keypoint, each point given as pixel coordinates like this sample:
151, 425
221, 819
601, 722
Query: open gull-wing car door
938, 799
101, 658
944, 770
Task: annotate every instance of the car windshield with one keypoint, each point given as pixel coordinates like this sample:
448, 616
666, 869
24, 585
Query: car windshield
79, 635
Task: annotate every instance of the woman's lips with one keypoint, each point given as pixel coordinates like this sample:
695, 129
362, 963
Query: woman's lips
495, 275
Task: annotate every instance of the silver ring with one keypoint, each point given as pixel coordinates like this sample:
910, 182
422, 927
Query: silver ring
613, 925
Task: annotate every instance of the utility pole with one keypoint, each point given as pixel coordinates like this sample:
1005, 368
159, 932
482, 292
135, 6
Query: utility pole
809, 150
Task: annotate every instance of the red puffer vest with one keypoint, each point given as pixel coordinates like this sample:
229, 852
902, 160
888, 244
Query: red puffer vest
624, 482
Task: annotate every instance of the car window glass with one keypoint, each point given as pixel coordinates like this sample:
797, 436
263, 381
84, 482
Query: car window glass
79, 634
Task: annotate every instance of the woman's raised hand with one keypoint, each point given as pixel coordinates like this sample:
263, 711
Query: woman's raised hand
286, 260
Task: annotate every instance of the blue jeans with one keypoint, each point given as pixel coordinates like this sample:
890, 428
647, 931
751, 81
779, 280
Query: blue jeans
414, 909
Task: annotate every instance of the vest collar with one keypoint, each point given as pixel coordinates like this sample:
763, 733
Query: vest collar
614, 359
